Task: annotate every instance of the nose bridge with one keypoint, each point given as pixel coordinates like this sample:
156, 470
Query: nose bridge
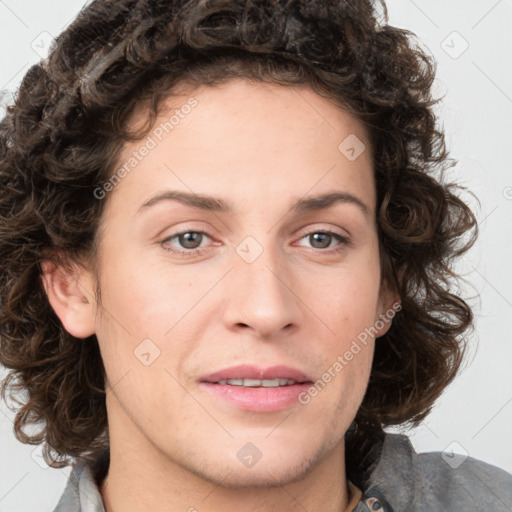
259, 291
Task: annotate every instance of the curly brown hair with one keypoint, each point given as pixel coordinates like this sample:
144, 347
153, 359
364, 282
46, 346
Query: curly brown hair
63, 136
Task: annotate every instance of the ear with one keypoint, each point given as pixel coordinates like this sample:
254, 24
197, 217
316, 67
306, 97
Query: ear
388, 306
70, 291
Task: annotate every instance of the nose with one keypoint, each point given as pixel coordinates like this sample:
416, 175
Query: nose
260, 296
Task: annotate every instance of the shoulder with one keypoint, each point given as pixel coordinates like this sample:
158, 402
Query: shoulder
459, 482
438, 480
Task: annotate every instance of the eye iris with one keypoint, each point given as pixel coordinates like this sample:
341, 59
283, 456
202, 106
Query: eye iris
322, 237
190, 240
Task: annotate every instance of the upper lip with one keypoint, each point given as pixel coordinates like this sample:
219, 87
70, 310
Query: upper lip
248, 371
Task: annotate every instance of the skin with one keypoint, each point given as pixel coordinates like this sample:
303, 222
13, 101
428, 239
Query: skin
300, 303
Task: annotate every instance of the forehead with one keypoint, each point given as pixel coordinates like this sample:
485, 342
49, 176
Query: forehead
244, 140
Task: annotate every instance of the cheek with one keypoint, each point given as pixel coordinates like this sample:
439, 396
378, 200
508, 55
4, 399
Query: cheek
147, 299
348, 308
149, 321
348, 303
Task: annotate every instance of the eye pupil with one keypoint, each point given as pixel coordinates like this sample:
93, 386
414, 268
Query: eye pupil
322, 237
187, 240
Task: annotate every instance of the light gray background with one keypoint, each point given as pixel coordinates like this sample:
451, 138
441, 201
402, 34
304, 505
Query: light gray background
475, 413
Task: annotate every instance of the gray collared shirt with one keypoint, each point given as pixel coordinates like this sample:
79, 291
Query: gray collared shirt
402, 481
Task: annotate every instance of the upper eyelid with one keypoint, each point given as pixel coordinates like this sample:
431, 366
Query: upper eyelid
316, 229
308, 232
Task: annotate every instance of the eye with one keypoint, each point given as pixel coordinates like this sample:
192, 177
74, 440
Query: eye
189, 241
323, 240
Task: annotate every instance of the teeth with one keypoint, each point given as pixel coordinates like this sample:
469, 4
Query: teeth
256, 383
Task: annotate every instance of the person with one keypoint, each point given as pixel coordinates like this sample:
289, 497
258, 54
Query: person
227, 261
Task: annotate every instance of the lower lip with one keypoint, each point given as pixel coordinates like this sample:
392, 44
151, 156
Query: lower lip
258, 399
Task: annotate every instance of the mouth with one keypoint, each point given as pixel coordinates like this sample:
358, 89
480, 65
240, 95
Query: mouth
254, 389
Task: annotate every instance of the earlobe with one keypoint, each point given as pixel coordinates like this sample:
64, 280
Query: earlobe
71, 294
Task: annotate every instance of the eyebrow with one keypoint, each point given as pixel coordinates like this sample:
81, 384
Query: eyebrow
218, 205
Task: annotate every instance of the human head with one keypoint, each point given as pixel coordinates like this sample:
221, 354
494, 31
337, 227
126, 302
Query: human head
64, 136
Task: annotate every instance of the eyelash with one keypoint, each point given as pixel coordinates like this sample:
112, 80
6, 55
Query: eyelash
344, 242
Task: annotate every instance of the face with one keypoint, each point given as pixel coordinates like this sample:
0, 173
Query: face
260, 281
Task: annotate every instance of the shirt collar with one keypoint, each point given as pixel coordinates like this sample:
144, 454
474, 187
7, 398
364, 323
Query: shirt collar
81, 493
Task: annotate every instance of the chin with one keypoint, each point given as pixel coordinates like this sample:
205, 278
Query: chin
266, 476
275, 471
